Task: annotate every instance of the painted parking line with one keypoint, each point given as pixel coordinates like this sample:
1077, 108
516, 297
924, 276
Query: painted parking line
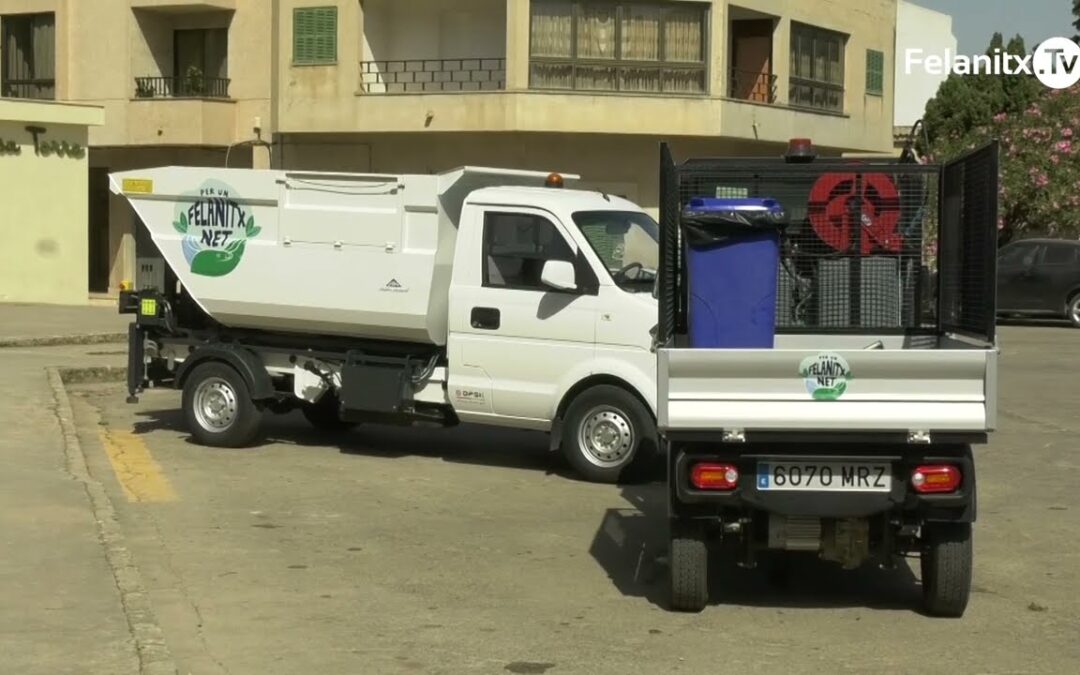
136, 469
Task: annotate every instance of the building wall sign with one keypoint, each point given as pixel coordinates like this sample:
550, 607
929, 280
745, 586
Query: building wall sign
43, 147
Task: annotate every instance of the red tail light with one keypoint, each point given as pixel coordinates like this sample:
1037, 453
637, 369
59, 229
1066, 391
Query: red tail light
936, 478
708, 476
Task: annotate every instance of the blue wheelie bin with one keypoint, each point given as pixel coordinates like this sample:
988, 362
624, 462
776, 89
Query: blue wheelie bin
732, 258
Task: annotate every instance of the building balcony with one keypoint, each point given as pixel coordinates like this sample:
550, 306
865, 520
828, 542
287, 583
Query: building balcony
40, 89
181, 121
432, 47
181, 87
183, 6
420, 76
754, 86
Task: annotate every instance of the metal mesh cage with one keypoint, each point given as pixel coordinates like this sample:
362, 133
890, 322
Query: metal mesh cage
968, 250
860, 251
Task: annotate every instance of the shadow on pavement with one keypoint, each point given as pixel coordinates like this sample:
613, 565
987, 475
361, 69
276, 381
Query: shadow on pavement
631, 545
467, 444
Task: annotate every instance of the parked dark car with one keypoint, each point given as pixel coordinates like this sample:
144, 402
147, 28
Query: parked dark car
1040, 277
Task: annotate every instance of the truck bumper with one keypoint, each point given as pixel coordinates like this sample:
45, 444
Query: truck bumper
687, 501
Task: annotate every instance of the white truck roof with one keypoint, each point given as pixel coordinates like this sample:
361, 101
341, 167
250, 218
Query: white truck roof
363, 255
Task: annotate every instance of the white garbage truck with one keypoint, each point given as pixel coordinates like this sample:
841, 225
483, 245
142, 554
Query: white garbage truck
479, 295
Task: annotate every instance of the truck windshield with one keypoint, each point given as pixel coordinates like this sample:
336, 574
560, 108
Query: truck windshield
627, 243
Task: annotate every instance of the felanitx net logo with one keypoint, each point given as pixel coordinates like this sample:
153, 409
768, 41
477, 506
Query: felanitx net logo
1055, 62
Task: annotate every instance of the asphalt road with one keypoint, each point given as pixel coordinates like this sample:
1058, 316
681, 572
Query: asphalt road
472, 550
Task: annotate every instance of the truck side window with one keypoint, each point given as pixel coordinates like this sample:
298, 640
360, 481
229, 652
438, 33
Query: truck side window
516, 245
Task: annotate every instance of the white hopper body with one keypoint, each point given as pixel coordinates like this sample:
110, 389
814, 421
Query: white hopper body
360, 255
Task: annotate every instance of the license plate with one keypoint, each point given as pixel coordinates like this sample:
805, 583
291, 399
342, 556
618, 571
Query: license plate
824, 476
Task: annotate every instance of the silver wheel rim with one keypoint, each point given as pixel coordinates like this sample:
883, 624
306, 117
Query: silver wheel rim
606, 436
215, 404
1074, 312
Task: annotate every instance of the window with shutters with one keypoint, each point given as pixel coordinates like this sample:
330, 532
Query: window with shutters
875, 72
315, 35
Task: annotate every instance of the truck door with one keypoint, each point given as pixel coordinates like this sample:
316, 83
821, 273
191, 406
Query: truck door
505, 323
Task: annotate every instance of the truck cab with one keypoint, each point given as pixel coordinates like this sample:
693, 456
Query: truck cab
551, 307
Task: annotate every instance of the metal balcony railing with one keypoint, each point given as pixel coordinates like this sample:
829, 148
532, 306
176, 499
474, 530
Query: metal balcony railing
752, 85
182, 87
35, 89
432, 75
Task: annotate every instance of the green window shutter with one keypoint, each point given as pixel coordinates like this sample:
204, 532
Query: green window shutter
315, 35
875, 72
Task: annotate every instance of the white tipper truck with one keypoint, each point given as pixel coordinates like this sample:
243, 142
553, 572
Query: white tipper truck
477, 295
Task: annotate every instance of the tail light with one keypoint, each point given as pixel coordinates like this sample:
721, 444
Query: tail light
936, 478
709, 476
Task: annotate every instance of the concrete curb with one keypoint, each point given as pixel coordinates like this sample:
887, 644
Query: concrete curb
154, 655
58, 340
93, 375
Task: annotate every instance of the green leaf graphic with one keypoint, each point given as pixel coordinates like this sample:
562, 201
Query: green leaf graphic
250, 229
830, 393
182, 225
217, 263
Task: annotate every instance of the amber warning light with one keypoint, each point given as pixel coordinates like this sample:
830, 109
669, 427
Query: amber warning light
554, 181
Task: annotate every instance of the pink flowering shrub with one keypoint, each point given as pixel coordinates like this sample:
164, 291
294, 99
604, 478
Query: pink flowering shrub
1040, 163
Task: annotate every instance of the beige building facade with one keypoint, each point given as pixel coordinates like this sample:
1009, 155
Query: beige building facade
44, 167
584, 87
419, 86
179, 83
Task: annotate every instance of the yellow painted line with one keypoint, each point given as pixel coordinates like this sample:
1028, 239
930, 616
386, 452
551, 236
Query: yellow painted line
139, 473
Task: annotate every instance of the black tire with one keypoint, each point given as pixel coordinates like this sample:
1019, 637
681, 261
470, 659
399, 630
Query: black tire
946, 568
209, 385
1072, 310
610, 412
689, 567
323, 414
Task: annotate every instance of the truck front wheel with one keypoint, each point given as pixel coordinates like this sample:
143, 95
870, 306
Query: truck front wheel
218, 408
607, 429
946, 568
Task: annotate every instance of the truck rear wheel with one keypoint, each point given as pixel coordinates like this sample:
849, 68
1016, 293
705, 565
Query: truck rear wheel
689, 567
946, 568
606, 430
218, 408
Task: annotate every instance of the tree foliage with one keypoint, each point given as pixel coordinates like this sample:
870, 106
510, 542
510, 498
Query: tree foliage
966, 102
1039, 132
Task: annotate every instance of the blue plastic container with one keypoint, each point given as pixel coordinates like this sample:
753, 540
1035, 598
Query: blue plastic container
732, 257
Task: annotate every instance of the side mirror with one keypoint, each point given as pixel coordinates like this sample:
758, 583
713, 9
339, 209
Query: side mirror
560, 275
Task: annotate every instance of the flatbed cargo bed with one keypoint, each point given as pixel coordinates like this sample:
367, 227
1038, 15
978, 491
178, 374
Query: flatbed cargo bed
811, 384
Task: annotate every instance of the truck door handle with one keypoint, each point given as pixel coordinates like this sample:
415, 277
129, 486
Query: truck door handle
485, 318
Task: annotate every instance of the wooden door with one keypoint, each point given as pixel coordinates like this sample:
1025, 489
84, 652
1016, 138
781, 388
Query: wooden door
751, 60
